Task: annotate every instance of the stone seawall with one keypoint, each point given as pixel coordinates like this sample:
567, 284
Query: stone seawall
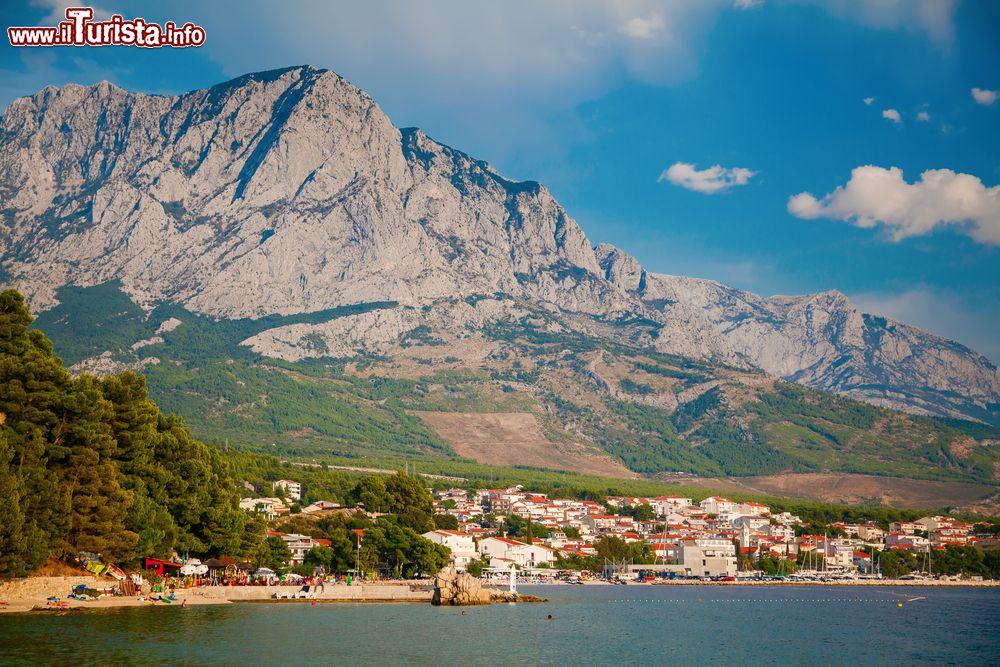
37, 589
330, 593
25, 594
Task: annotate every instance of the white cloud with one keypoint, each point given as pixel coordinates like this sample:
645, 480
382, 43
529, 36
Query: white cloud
643, 28
868, 101
923, 116
709, 181
57, 10
941, 198
491, 77
494, 78
931, 17
892, 114
984, 96
747, 4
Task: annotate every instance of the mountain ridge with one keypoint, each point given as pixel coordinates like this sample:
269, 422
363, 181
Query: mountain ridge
290, 191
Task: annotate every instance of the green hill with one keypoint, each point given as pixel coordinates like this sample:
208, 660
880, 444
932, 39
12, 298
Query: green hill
654, 413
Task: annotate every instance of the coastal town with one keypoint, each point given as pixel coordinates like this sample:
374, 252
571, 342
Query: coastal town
391, 538
658, 538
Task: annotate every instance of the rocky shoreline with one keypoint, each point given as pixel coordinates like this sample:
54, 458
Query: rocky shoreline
452, 588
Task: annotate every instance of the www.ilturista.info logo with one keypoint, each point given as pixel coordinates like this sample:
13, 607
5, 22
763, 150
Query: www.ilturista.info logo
79, 29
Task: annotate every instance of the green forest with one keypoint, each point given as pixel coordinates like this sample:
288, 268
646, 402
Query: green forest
90, 464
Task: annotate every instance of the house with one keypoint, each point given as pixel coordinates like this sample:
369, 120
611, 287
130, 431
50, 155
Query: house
519, 553
299, 545
602, 522
269, 507
869, 532
838, 554
321, 506
717, 505
904, 541
665, 505
666, 551
756, 509
779, 532
462, 546
905, 527
291, 488
862, 561
946, 530
787, 519
752, 522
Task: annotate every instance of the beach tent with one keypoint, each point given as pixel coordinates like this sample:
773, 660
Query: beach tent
194, 567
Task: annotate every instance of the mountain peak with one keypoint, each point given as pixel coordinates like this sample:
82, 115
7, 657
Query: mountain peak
620, 268
289, 191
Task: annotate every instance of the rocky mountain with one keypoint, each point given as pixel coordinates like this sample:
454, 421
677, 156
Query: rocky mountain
289, 192
819, 340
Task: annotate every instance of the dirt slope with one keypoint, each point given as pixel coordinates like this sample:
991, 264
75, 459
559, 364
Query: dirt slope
516, 439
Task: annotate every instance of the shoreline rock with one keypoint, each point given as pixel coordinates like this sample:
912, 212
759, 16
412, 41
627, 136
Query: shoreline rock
453, 588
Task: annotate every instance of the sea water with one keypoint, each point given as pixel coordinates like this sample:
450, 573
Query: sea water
589, 625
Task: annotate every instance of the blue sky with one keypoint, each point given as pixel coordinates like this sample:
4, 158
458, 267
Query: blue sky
620, 107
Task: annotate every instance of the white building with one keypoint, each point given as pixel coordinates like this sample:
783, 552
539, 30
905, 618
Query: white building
299, 545
462, 546
708, 558
665, 505
752, 522
718, 505
269, 507
292, 489
839, 554
504, 549
871, 533
904, 541
905, 527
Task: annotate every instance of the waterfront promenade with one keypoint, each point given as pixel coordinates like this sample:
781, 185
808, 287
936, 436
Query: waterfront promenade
32, 593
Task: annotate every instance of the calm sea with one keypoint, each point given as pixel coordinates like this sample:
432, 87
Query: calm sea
627, 625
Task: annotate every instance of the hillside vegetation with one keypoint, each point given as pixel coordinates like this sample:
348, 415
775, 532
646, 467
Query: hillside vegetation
655, 413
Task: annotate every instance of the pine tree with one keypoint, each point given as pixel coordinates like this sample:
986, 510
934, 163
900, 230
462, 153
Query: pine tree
92, 465
134, 423
33, 384
13, 538
98, 503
